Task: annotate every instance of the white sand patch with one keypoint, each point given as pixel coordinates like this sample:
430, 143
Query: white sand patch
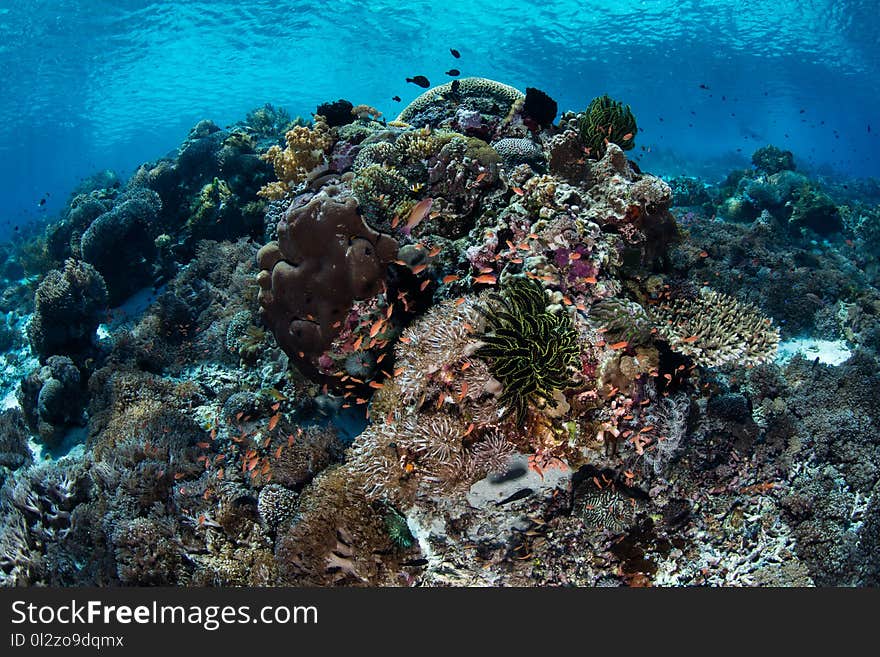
829, 352
9, 401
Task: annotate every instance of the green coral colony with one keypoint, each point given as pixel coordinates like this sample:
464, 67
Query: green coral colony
550, 382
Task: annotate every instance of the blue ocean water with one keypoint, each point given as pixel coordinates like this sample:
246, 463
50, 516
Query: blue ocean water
99, 84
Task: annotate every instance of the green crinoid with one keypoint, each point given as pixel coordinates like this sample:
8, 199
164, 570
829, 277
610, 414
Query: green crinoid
607, 120
531, 350
398, 529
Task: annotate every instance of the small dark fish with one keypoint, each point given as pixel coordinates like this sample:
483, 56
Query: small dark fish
453, 72
415, 562
802, 111
396, 99
869, 128
455, 53
42, 201
455, 85
518, 495
704, 86
16, 228
420, 80
723, 97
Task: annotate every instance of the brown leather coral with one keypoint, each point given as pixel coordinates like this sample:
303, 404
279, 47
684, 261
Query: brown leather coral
324, 260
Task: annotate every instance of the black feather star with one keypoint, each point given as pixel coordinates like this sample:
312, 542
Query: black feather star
530, 350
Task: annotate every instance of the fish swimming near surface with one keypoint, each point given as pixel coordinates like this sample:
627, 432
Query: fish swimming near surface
455, 53
420, 80
453, 72
396, 99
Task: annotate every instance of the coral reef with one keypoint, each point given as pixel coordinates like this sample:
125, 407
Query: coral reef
476, 348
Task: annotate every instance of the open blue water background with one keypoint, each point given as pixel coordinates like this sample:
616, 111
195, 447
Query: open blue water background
112, 83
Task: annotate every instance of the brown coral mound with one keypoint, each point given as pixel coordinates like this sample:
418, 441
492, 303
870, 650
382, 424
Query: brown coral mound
324, 260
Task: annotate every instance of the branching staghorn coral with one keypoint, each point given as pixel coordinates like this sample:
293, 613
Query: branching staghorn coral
307, 149
715, 329
531, 350
607, 120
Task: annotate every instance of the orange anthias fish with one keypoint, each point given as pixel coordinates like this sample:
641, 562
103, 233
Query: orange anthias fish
419, 212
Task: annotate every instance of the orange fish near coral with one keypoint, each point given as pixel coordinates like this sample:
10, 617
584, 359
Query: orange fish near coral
419, 212
489, 279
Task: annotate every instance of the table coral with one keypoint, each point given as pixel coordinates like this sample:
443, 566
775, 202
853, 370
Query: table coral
715, 329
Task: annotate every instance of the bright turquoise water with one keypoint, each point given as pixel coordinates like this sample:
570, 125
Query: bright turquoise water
109, 84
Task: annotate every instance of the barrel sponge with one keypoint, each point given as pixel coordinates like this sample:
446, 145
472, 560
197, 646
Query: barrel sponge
68, 306
474, 88
715, 329
324, 260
